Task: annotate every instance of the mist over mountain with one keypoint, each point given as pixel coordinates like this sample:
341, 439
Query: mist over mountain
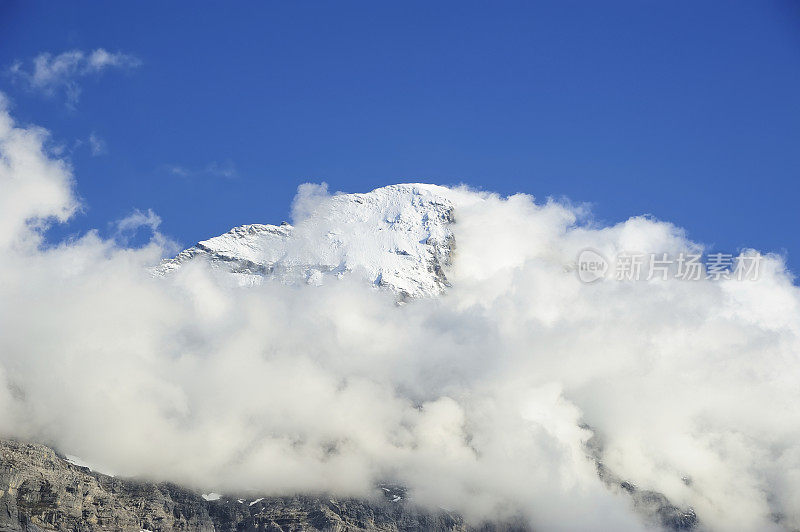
430, 337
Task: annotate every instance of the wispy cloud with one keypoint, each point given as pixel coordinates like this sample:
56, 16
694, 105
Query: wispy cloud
96, 144
54, 74
141, 224
137, 219
225, 170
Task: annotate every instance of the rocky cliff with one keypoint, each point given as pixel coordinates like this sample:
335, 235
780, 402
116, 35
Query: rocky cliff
40, 490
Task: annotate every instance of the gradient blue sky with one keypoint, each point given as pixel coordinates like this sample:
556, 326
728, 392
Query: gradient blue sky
686, 110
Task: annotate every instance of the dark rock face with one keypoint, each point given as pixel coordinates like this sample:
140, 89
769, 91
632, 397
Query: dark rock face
654, 505
41, 491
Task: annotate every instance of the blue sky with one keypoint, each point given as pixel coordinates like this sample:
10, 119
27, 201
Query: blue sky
689, 111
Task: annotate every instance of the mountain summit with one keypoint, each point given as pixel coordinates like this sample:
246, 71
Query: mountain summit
398, 237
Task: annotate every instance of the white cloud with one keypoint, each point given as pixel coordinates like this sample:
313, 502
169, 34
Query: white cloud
36, 188
475, 401
308, 199
97, 145
128, 227
100, 59
138, 219
52, 74
224, 169
178, 170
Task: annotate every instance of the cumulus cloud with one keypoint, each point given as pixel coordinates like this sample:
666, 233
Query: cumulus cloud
481, 401
51, 74
36, 188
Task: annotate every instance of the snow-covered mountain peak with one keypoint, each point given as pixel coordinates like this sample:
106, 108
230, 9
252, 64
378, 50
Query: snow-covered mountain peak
397, 236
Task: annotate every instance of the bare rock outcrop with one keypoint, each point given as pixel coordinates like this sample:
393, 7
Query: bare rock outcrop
40, 490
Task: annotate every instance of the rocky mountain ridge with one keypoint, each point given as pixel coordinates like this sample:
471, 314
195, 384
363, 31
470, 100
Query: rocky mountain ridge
41, 490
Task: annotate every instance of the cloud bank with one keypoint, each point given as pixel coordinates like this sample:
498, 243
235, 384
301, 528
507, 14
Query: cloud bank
479, 401
51, 74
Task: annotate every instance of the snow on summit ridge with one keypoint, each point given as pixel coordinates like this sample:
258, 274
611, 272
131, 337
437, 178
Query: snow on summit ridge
398, 237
